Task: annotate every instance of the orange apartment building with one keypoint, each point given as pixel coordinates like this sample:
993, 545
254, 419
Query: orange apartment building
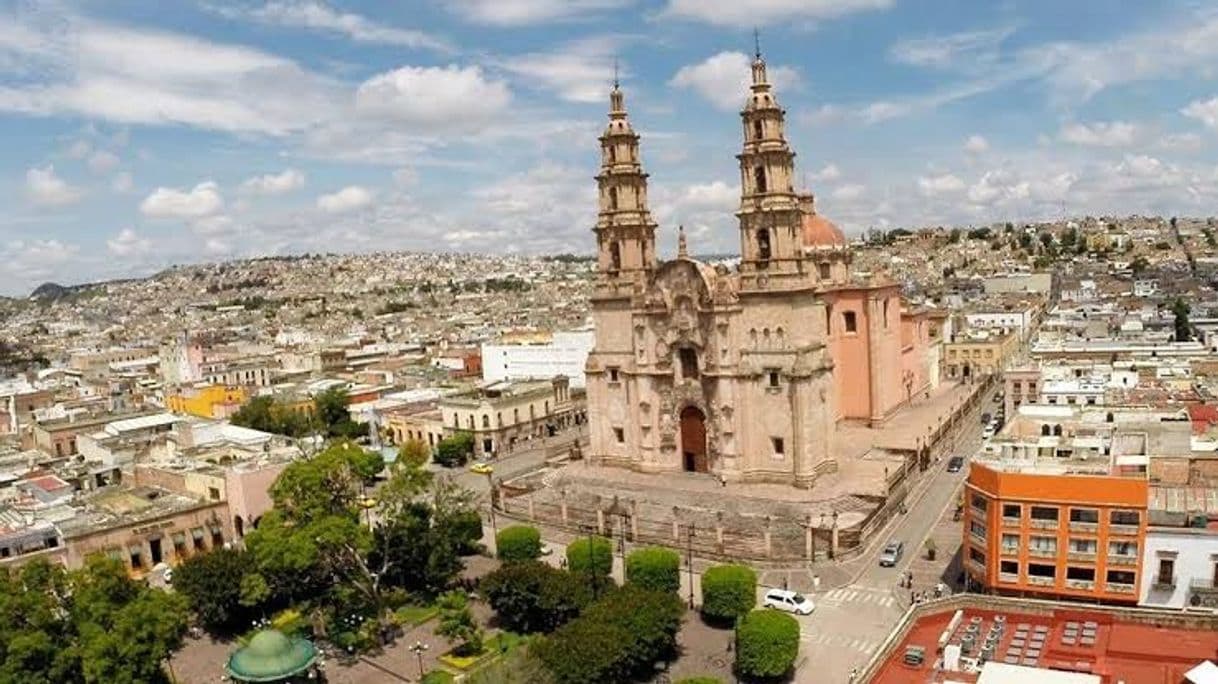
1054, 530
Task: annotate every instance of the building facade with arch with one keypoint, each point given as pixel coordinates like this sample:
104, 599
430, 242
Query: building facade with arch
743, 373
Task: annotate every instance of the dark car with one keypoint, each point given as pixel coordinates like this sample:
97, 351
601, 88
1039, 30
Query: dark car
955, 464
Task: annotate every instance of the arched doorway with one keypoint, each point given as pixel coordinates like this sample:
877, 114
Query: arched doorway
239, 526
693, 440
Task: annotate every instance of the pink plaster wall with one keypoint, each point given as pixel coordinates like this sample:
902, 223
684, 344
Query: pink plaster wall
249, 492
851, 373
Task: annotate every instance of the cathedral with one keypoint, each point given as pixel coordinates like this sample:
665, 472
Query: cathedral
742, 373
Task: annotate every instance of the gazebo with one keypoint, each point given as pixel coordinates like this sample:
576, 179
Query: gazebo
271, 657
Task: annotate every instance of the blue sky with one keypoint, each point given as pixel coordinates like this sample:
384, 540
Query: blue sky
139, 134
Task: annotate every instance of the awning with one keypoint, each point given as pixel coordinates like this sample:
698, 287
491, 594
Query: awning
1205, 673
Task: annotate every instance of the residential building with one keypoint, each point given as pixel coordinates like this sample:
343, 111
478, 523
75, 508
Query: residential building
207, 401
562, 353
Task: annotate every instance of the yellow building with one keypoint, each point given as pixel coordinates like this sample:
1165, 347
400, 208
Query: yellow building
981, 353
208, 401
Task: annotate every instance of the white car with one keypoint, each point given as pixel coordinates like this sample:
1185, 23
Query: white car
789, 601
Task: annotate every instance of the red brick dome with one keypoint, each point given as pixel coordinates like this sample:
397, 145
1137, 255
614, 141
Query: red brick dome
819, 231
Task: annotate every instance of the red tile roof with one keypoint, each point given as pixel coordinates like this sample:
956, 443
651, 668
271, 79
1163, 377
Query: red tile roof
1203, 416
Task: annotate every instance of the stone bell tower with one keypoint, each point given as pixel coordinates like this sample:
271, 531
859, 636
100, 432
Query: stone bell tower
770, 215
625, 231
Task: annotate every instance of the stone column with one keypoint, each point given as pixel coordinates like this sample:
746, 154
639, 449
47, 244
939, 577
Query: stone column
769, 541
676, 531
600, 522
634, 520
563, 504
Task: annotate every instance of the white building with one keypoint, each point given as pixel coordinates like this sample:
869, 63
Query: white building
1019, 322
565, 354
1179, 568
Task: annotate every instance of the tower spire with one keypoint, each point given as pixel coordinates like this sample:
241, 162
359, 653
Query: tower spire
624, 228
759, 78
756, 43
617, 84
682, 246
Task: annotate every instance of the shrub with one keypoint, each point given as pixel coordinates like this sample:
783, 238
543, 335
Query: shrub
617, 638
518, 543
590, 554
534, 597
438, 677
728, 592
455, 450
766, 644
466, 528
655, 568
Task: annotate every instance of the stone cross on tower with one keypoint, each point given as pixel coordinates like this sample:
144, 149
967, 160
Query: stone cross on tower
682, 247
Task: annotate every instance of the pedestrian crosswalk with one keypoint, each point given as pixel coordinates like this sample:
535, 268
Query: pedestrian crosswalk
838, 641
856, 595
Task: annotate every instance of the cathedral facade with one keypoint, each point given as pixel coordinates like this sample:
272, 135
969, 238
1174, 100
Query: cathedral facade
741, 373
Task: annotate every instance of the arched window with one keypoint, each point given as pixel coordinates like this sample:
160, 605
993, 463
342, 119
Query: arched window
613, 199
763, 244
486, 421
1057, 431
758, 132
759, 178
615, 256
612, 154
885, 313
828, 319
515, 416
532, 413
470, 422
1044, 430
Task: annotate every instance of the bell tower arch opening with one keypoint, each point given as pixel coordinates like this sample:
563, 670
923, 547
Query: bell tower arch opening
693, 440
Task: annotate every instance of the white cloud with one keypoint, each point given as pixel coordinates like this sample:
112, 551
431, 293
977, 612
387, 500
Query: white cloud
823, 114
274, 183
1180, 142
848, 192
724, 79
1204, 111
521, 12
128, 243
103, 162
737, 13
578, 71
1143, 166
318, 16
349, 198
123, 182
165, 203
954, 50
976, 144
44, 187
944, 184
80, 149
29, 263
452, 97
716, 195
405, 177
830, 172
1100, 134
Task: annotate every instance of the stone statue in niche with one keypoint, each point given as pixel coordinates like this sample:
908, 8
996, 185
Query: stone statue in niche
685, 317
668, 430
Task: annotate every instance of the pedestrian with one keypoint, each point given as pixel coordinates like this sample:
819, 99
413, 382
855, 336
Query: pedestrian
784, 583
912, 596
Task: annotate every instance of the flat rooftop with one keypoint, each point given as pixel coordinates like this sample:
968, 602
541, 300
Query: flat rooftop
1111, 644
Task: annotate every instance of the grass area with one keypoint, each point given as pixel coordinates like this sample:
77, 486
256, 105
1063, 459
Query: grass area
415, 615
438, 677
494, 646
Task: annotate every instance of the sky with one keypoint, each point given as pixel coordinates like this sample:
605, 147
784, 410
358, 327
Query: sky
143, 133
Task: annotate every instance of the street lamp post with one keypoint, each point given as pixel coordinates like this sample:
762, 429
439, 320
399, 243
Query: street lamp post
689, 563
592, 566
418, 648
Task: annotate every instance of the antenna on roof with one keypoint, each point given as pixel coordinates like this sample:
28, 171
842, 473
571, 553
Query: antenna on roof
757, 42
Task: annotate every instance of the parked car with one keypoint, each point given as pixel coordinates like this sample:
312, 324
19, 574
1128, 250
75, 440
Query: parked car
955, 463
891, 554
988, 432
789, 601
482, 468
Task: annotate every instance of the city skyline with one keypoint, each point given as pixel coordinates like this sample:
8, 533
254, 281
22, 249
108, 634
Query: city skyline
228, 130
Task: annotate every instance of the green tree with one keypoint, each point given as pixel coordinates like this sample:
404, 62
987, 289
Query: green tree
655, 568
519, 666
414, 451
1139, 265
1184, 329
212, 585
518, 543
590, 555
455, 449
457, 624
331, 407
728, 592
1025, 242
767, 644
533, 597
953, 236
1069, 236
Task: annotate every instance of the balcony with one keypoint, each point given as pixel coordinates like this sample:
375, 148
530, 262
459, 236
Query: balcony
1042, 581
1044, 523
1090, 528
1086, 556
975, 565
1011, 522
1008, 577
1203, 593
1081, 585
1122, 560
1009, 551
1163, 583
977, 539
1123, 530
976, 512
1042, 553
1119, 588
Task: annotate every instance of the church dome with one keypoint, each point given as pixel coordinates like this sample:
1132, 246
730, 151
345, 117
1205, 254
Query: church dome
819, 231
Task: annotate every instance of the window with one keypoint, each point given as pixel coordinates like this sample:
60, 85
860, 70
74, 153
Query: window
486, 421
779, 446
1081, 574
488, 446
1012, 511
689, 362
615, 257
977, 529
1123, 548
1084, 515
1057, 431
469, 421
976, 555
137, 557
1167, 572
1091, 401
774, 377
1120, 576
1010, 543
979, 502
850, 321
613, 375
1125, 518
1042, 544
1042, 570
1083, 546
1007, 567
763, 244
825, 273
1044, 513
828, 319
1044, 429
499, 419
613, 199
759, 179
619, 435
516, 411
197, 535
885, 314
758, 131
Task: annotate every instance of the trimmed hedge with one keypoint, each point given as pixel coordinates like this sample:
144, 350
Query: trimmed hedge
767, 643
593, 554
534, 597
655, 568
518, 543
728, 592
